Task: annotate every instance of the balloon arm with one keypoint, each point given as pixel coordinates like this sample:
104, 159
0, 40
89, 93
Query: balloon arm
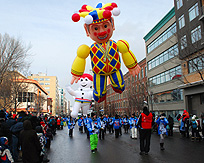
135, 71
70, 91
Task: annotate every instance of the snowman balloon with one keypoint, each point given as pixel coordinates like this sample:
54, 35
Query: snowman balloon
83, 96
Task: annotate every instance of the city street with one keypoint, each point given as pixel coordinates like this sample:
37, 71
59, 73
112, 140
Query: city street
77, 149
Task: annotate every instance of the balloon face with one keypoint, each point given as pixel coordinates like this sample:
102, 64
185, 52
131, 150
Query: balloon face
101, 32
85, 83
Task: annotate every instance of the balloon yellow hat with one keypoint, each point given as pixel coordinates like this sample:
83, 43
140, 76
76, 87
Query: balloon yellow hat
96, 15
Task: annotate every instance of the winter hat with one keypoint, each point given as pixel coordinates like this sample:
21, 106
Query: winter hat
101, 13
3, 141
163, 115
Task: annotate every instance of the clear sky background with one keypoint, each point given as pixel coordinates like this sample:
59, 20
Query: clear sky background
47, 26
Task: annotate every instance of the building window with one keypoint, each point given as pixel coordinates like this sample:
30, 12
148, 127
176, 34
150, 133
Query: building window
132, 79
179, 4
196, 34
36, 79
139, 76
163, 37
47, 87
47, 83
183, 42
163, 57
193, 12
165, 76
41, 83
41, 79
142, 73
47, 79
169, 96
145, 71
181, 21
196, 64
135, 77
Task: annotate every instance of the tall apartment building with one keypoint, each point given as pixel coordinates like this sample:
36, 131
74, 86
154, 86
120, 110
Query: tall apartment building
163, 67
189, 21
62, 102
50, 84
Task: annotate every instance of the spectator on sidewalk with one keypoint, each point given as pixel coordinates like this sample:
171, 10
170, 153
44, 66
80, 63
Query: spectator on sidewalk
171, 125
5, 154
30, 144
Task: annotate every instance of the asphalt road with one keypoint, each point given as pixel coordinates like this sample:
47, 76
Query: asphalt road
122, 150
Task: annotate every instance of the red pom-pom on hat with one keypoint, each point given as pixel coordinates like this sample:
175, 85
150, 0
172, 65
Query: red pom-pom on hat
107, 14
75, 17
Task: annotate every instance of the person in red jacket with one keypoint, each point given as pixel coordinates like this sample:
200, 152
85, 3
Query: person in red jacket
145, 123
58, 123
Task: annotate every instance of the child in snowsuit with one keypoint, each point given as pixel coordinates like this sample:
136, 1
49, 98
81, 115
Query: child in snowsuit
93, 127
5, 154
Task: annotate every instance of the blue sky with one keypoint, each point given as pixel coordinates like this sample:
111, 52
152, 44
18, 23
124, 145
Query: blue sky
47, 26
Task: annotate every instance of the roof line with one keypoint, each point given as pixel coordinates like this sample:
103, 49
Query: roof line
159, 25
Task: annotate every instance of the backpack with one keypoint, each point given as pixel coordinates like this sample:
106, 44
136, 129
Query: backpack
194, 124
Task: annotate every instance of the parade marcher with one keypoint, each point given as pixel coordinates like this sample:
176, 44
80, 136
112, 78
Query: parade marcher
5, 154
105, 120
93, 127
80, 124
171, 125
30, 144
71, 124
133, 127
125, 123
145, 123
102, 127
120, 127
162, 123
110, 125
116, 125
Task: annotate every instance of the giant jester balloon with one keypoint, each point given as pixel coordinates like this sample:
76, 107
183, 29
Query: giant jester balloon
104, 52
83, 96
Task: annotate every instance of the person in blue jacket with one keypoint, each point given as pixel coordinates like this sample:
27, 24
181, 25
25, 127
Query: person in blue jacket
93, 126
125, 123
162, 123
116, 125
80, 124
110, 124
71, 124
133, 126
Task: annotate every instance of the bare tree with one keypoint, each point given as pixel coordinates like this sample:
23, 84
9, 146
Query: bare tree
12, 55
5, 93
12, 86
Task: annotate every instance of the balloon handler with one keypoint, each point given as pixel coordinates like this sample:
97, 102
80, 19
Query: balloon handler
104, 52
